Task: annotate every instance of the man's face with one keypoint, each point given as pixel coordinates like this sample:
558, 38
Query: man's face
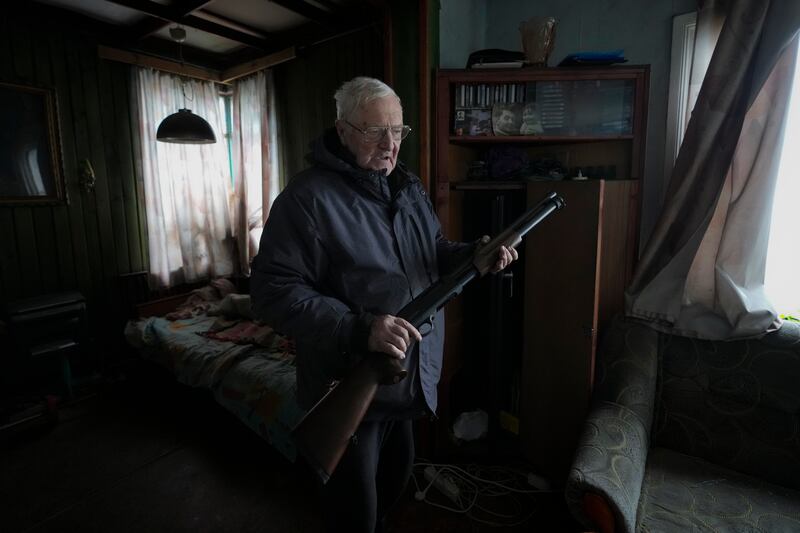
507, 121
377, 155
529, 113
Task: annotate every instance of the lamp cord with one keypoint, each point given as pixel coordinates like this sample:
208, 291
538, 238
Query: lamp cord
179, 34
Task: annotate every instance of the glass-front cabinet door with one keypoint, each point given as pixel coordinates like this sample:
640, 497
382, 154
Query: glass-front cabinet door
557, 108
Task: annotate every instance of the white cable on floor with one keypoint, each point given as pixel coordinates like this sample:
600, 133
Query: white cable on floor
475, 490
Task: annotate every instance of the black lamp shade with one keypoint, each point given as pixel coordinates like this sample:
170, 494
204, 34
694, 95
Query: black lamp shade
186, 128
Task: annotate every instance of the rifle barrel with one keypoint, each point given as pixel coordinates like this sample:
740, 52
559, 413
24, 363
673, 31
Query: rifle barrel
486, 256
323, 434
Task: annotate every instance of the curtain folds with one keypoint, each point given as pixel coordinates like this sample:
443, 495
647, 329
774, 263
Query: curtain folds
702, 272
186, 186
254, 161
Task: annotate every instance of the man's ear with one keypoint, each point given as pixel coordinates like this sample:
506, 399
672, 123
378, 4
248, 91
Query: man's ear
340, 130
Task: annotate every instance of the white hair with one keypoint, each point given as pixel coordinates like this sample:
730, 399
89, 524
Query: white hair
357, 92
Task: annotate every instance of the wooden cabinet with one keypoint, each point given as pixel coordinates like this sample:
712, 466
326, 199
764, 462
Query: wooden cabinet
542, 320
591, 120
576, 269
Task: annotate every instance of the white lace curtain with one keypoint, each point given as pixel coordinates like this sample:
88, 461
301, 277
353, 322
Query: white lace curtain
254, 161
186, 186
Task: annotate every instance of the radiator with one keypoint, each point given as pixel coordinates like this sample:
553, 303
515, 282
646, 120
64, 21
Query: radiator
51, 325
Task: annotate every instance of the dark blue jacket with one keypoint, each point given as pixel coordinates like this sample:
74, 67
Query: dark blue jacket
342, 245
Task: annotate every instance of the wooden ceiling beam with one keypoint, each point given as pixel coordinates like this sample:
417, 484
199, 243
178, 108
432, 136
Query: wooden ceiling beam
329, 4
144, 60
151, 25
250, 67
60, 19
166, 65
307, 10
228, 23
163, 12
274, 45
198, 57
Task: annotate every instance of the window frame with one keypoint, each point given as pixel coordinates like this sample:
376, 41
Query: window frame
679, 105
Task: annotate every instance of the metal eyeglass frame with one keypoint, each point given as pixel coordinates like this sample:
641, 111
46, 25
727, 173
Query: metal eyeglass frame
379, 132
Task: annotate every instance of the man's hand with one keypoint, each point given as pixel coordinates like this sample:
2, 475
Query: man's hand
391, 335
506, 255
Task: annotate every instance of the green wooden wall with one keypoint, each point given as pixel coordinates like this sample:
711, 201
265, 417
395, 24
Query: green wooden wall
405, 56
408, 71
304, 89
98, 235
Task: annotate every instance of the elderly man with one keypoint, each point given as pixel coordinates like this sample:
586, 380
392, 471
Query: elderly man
350, 241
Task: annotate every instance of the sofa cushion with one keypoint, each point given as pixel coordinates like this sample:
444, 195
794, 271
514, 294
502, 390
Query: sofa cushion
734, 403
627, 368
681, 493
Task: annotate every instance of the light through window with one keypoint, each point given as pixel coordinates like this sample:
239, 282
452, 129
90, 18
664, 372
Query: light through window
782, 282
225, 110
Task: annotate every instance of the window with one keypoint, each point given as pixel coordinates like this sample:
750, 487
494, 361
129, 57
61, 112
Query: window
680, 98
186, 186
783, 259
226, 111
782, 283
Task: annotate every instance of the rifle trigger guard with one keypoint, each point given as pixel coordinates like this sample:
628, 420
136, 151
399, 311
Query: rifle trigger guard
426, 326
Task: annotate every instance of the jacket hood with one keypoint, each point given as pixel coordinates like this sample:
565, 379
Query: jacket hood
327, 152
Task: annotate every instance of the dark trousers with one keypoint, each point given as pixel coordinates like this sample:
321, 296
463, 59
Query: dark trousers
370, 478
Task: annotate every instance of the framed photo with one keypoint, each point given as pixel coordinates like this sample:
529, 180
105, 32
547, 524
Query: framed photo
30, 146
473, 121
506, 119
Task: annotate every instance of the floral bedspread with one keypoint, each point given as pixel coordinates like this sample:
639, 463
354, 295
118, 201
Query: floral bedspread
255, 381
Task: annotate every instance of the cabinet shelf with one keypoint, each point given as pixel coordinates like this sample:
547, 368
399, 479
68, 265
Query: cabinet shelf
487, 185
588, 118
520, 185
523, 343
534, 139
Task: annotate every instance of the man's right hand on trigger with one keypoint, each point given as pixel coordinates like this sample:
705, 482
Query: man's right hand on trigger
392, 335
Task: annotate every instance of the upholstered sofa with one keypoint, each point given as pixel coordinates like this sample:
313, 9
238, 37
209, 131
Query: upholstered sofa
691, 435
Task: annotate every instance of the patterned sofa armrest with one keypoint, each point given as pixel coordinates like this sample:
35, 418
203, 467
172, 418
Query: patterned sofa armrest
608, 468
605, 480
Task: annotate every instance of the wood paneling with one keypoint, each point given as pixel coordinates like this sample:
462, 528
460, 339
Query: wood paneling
86, 243
406, 64
304, 90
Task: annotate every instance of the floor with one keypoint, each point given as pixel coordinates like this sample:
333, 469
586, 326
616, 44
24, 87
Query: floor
145, 454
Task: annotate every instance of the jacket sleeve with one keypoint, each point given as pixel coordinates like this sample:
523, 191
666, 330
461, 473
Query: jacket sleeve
449, 254
287, 286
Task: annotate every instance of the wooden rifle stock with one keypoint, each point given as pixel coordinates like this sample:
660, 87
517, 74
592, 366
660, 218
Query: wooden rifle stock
323, 434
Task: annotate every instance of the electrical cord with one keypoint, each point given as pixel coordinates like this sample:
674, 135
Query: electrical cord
495, 496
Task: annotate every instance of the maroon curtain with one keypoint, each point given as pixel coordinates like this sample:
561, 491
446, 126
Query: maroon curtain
754, 33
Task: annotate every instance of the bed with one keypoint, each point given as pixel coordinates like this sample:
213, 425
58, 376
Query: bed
210, 340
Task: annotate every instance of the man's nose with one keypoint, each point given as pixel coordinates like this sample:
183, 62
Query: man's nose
386, 139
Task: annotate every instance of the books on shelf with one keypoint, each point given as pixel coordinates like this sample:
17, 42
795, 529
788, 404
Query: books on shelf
552, 100
486, 95
474, 103
555, 108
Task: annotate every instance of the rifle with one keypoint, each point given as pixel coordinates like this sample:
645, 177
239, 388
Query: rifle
323, 434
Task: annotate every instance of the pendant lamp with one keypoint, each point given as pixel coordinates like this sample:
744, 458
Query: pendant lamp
184, 127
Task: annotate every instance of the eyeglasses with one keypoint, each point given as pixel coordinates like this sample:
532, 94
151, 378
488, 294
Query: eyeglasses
375, 134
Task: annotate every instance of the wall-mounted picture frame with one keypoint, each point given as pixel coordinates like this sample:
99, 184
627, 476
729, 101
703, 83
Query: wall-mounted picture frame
31, 170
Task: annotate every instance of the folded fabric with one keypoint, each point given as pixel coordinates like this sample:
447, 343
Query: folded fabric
594, 58
202, 299
232, 306
245, 332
